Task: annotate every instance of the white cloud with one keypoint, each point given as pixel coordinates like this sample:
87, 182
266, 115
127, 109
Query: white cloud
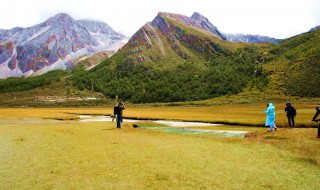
275, 18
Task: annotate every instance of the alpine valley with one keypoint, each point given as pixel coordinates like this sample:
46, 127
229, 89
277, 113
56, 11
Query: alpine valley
197, 113
173, 58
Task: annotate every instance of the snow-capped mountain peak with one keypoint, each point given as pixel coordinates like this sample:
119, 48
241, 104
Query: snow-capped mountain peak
56, 43
249, 38
60, 18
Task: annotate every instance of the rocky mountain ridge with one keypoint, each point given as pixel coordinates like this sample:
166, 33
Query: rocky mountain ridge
163, 33
57, 43
314, 28
172, 36
249, 38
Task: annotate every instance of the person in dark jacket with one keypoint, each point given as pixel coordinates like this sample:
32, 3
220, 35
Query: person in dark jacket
317, 120
291, 114
119, 112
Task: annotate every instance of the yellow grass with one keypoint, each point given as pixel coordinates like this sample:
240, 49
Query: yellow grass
37, 153
232, 114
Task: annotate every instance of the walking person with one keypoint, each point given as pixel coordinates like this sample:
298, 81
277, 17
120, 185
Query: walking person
271, 116
317, 120
119, 113
291, 114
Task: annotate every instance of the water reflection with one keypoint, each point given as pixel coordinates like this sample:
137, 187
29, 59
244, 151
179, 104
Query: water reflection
173, 126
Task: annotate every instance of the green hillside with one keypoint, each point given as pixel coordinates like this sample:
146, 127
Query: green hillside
183, 63
53, 89
29, 83
294, 65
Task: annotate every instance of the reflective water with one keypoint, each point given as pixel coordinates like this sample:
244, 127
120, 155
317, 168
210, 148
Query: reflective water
173, 126
213, 133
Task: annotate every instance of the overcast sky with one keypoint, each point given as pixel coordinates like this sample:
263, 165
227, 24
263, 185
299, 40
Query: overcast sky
274, 18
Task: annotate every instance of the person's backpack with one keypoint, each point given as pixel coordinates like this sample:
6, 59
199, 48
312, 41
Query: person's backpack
294, 111
116, 110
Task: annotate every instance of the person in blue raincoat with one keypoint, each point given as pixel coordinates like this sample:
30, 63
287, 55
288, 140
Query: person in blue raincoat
271, 116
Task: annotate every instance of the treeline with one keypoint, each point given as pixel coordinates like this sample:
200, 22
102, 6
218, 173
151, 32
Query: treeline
29, 83
141, 83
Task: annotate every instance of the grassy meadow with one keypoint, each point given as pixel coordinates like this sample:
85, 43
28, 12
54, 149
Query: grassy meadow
48, 148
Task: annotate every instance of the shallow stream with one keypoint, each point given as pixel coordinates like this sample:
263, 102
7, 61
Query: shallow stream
181, 127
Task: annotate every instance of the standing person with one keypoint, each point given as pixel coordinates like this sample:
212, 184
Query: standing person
317, 120
271, 116
291, 114
121, 107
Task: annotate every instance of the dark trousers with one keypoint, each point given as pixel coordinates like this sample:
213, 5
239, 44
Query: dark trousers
319, 130
291, 121
119, 120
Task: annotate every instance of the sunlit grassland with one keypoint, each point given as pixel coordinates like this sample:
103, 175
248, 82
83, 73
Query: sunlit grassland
231, 114
40, 153
252, 115
49, 154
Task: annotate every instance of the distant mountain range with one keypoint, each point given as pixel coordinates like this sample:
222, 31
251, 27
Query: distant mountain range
315, 28
172, 58
61, 42
57, 43
247, 38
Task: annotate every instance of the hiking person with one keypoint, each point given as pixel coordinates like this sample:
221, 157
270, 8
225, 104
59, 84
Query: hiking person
271, 116
291, 114
317, 120
119, 111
